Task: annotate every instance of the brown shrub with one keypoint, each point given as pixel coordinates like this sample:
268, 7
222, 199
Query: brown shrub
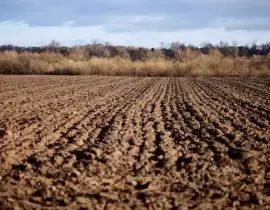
187, 63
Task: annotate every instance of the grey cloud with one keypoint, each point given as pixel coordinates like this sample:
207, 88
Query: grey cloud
248, 23
197, 13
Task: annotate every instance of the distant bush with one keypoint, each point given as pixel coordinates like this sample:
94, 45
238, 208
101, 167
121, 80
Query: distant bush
105, 59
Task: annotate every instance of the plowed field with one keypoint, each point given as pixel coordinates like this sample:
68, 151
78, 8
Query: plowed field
134, 143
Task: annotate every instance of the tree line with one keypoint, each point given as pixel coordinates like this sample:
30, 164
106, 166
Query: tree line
170, 51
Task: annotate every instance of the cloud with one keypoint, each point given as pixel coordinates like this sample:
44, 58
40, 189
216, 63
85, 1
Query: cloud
134, 19
21, 33
68, 23
136, 23
168, 23
199, 12
248, 23
139, 22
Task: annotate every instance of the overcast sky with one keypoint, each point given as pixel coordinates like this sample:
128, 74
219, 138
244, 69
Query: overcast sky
133, 22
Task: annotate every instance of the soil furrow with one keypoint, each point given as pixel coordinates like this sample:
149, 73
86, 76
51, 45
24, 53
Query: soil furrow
134, 143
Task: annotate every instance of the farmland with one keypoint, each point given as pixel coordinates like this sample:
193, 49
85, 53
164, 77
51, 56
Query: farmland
81, 142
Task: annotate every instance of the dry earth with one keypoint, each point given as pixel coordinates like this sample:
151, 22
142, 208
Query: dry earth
134, 143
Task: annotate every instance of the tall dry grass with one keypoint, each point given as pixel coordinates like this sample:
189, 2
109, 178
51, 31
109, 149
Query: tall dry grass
187, 63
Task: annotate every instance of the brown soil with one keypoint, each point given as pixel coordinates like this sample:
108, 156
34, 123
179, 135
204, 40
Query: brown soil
134, 143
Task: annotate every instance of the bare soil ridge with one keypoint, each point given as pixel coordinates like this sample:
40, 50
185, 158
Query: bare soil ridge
134, 143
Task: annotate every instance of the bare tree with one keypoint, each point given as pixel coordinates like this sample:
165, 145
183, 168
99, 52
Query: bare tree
54, 44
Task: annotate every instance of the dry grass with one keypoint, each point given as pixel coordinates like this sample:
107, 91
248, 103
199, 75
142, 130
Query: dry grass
187, 63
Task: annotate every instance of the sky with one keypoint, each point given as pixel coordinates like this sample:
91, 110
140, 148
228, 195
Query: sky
145, 23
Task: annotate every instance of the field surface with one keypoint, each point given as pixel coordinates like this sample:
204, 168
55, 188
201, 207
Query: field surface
134, 143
